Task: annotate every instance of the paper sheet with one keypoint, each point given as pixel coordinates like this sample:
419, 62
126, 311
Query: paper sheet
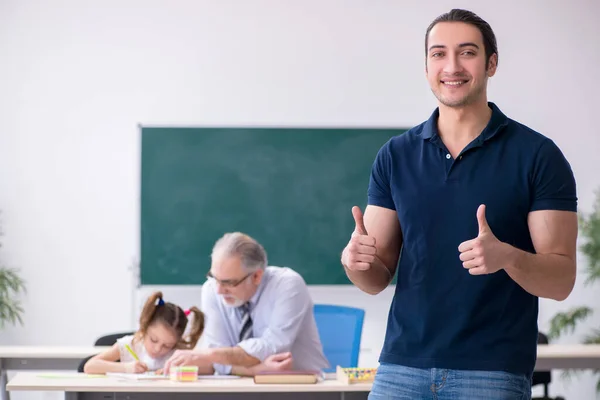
218, 377
146, 376
70, 375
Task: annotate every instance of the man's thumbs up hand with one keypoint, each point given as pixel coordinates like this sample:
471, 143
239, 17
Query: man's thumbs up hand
360, 252
358, 220
485, 254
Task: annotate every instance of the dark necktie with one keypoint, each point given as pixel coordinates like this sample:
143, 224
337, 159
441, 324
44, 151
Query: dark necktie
246, 330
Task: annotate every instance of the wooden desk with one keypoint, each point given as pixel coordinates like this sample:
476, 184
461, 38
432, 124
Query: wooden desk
68, 358
97, 388
564, 356
41, 358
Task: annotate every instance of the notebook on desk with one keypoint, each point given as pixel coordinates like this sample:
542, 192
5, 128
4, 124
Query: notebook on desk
305, 376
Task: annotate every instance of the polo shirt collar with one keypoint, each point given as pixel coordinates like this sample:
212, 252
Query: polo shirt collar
495, 125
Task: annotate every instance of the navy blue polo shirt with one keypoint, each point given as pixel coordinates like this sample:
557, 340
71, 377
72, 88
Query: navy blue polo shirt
441, 316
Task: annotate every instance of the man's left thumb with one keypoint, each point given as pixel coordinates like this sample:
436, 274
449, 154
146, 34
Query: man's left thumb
481, 220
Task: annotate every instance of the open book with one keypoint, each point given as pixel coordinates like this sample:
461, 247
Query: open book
146, 376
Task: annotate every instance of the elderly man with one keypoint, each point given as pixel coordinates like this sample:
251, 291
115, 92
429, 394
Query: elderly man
255, 314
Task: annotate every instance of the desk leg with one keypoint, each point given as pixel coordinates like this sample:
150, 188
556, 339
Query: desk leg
3, 381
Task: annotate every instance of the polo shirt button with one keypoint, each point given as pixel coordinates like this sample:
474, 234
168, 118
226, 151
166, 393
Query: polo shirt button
448, 156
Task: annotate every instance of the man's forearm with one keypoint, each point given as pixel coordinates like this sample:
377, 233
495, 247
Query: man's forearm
206, 370
373, 280
232, 356
242, 371
543, 275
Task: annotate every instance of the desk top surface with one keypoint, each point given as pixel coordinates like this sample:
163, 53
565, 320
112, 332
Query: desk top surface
73, 382
49, 351
568, 351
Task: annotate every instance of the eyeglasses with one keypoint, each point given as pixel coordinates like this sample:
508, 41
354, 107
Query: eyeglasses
228, 282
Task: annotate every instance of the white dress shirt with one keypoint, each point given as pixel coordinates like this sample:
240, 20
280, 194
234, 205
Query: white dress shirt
282, 320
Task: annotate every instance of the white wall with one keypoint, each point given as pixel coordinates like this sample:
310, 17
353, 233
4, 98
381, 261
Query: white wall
77, 77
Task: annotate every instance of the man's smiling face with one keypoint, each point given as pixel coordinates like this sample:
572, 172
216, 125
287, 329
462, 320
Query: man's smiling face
456, 65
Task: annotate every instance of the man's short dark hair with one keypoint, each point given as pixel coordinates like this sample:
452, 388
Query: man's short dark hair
468, 17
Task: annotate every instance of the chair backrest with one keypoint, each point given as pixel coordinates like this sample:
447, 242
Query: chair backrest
340, 331
106, 340
109, 340
541, 377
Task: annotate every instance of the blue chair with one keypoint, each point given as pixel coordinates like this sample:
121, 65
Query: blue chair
340, 330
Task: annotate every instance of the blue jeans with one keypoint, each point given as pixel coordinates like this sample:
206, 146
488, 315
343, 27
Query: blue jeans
396, 382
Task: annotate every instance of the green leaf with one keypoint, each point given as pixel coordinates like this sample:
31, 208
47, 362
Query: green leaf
589, 225
568, 374
10, 281
593, 338
566, 322
11, 285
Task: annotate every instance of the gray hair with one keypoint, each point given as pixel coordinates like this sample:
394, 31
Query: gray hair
252, 254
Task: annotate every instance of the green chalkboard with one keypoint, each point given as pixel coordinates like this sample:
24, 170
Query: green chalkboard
291, 189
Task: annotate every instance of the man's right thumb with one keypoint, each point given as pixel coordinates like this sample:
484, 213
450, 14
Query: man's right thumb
358, 219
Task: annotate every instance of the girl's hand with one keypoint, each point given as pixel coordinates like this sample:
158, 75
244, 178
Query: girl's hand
136, 367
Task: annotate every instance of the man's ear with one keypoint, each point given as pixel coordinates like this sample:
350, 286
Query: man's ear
257, 277
492, 65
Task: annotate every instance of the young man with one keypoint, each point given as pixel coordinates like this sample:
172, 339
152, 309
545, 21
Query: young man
256, 316
484, 210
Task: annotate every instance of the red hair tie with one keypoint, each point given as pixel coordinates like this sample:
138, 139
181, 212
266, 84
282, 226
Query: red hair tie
187, 312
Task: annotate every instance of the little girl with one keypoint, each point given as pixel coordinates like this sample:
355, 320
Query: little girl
161, 332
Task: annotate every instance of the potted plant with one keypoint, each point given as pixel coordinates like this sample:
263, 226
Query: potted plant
11, 286
566, 322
